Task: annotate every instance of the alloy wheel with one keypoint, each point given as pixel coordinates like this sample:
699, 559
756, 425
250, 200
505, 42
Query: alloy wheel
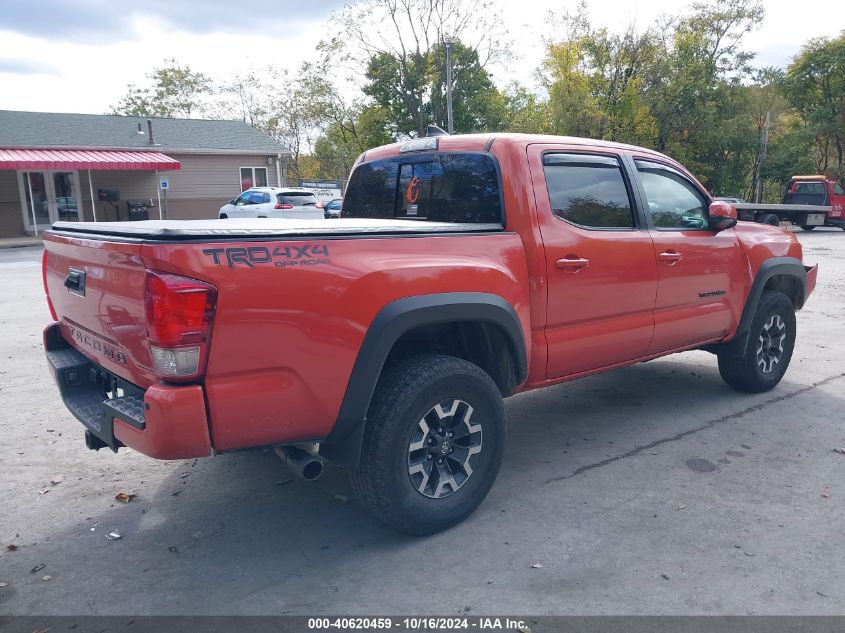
770, 344
443, 449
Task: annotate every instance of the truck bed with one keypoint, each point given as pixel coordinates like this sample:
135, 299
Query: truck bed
235, 228
797, 208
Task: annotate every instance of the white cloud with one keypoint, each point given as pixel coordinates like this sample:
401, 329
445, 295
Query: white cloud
90, 74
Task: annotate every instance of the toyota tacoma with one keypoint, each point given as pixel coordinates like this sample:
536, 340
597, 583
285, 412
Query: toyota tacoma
464, 270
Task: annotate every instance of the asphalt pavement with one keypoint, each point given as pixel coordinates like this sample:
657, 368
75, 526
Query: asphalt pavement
654, 489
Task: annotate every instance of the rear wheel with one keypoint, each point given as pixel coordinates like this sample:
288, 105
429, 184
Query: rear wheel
433, 444
807, 227
769, 218
771, 340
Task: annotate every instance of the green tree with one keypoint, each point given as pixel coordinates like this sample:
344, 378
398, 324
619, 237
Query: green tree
174, 91
398, 46
815, 86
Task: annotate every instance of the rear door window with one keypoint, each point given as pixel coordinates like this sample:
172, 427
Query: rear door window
458, 188
588, 190
258, 197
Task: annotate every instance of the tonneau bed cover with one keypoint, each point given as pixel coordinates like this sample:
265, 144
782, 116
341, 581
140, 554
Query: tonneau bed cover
156, 230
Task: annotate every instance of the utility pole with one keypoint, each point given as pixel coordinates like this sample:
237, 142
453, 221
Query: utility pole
449, 123
764, 145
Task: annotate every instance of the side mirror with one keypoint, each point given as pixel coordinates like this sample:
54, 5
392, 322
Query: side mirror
232, 201
722, 215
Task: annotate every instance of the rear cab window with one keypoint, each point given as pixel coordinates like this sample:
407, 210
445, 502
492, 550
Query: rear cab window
815, 188
441, 187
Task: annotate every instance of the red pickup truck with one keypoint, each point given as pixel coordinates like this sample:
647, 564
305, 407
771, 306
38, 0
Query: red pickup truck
465, 269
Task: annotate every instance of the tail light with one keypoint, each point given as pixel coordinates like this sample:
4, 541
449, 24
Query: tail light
320, 205
283, 205
179, 312
44, 281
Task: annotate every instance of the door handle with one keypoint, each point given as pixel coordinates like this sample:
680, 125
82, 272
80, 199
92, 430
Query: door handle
75, 281
572, 264
670, 258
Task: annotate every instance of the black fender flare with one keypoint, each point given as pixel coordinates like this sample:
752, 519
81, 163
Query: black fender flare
343, 443
776, 266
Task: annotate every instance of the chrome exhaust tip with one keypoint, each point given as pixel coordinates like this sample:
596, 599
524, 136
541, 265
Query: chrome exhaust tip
303, 464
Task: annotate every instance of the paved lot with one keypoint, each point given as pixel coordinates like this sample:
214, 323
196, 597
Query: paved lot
651, 490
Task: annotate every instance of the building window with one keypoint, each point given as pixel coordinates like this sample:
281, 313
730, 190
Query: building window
253, 177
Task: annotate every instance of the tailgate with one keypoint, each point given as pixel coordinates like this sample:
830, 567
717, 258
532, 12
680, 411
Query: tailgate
97, 289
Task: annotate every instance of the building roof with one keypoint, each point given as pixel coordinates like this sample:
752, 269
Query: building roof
111, 131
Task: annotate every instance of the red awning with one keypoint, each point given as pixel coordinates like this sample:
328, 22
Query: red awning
96, 159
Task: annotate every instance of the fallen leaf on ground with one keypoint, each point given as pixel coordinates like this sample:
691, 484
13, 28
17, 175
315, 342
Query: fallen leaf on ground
3, 584
681, 508
183, 475
114, 535
11, 547
124, 497
57, 480
536, 565
826, 495
841, 451
47, 577
172, 548
44, 492
38, 568
664, 576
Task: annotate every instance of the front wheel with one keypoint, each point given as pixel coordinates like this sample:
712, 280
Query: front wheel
433, 444
807, 227
771, 340
769, 218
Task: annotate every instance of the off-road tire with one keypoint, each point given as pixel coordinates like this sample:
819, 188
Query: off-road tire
406, 394
744, 373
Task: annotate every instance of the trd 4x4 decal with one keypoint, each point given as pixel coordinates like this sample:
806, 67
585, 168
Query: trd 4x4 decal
282, 256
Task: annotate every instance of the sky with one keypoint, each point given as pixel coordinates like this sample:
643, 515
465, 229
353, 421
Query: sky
79, 55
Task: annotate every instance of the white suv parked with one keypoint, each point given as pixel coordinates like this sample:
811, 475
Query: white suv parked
274, 202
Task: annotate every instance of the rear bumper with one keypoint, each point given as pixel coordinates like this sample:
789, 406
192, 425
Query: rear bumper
163, 422
812, 274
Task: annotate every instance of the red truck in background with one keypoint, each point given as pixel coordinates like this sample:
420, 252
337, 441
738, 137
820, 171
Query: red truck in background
809, 201
466, 269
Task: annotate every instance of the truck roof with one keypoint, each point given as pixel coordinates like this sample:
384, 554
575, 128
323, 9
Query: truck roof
482, 141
